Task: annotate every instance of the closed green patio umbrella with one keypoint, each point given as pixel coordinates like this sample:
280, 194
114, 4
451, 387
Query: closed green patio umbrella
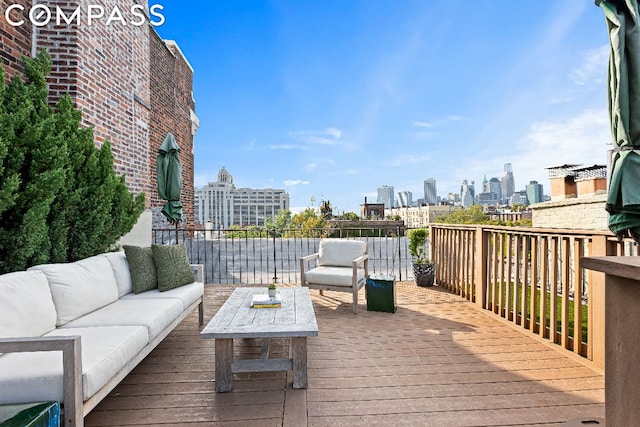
170, 180
623, 199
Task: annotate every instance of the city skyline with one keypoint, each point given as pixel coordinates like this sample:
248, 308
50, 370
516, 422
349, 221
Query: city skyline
330, 100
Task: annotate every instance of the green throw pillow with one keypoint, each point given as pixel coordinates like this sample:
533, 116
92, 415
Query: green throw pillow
172, 266
143, 269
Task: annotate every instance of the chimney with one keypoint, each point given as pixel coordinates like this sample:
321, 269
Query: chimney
563, 184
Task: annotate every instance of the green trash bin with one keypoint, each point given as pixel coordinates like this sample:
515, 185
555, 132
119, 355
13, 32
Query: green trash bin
380, 291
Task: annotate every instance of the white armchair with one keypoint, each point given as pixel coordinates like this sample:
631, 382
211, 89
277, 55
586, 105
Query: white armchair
342, 265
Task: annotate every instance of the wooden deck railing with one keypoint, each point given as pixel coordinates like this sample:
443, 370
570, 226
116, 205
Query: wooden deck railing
531, 277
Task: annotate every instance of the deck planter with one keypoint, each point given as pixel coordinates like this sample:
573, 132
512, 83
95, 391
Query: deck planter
424, 274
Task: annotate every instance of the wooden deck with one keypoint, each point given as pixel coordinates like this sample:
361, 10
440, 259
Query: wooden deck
437, 361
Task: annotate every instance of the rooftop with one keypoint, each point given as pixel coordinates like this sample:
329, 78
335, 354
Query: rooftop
439, 360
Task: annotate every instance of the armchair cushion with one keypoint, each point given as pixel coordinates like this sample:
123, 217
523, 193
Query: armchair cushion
340, 252
333, 276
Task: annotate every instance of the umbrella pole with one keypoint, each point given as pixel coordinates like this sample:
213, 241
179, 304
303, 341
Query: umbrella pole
177, 222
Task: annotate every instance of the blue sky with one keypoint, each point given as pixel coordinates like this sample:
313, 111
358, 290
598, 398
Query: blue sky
331, 99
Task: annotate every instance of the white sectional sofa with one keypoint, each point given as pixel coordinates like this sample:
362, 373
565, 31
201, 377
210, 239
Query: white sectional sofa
87, 313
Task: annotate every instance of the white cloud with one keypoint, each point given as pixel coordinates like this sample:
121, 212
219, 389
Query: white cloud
421, 124
328, 136
593, 67
295, 182
316, 163
581, 139
286, 147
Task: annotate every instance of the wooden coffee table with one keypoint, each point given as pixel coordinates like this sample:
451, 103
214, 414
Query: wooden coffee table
236, 319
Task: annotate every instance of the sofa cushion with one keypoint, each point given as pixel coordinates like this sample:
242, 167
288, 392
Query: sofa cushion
80, 287
340, 252
187, 294
172, 266
26, 305
37, 376
121, 272
334, 276
142, 267
154, 314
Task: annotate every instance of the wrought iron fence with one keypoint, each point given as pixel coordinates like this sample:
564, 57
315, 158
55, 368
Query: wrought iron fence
252, 256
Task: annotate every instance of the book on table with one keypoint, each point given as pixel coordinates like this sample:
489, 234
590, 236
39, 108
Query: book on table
264, 301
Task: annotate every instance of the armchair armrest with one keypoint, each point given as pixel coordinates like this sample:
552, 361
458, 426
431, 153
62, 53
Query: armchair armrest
361, 260
71, 368
310, 257
198, 272
303, 262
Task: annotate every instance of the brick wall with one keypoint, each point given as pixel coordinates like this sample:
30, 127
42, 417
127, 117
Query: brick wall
172, 108
583, 213
14, 41
131, 86
105, 69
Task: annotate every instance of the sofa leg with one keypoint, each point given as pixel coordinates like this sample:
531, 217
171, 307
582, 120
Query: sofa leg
321, 292
201, 312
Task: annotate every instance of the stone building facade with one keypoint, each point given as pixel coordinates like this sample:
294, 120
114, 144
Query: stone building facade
132, 86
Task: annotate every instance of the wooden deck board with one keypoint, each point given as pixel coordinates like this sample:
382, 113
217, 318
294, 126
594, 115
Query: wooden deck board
438, 360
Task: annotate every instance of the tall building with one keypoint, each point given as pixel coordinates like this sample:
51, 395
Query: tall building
405, 199
507, 183
467, 193
222, 204
386, 196
535, 193
430, 191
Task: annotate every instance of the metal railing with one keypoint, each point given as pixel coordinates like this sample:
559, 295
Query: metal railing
256, 256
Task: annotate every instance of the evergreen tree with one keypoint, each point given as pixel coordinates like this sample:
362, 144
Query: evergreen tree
32, 168
60, 199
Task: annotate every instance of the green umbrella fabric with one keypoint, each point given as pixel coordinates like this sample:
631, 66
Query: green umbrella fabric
623, 199
170, 178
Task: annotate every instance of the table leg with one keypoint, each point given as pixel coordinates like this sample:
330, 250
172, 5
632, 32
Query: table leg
299, 356
224, 359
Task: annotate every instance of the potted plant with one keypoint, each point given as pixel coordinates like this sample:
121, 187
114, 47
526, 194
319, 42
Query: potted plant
423, 268
272, 290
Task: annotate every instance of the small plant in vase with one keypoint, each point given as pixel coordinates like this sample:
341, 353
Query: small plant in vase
423, 268
272, 291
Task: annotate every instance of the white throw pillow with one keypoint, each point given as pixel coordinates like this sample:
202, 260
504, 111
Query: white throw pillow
340, 252
121, 272
26, 306
80, 287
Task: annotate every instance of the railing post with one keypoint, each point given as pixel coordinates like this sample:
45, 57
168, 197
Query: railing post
481, 266
600, 246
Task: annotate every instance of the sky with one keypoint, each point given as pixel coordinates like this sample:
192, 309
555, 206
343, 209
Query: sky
331, 99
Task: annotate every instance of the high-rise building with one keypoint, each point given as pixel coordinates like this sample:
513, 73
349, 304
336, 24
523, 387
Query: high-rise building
507, 183
224, 205
535, 193
405, 199
495, 188
467, 193
430, 192
386, 196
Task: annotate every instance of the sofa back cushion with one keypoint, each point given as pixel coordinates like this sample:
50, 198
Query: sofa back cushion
340, 252
26, 306
121, 272
80, 287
